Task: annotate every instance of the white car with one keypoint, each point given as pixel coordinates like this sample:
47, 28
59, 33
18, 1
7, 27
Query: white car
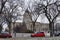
47, 34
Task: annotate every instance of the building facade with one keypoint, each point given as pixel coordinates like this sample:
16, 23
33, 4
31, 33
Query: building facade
38, 26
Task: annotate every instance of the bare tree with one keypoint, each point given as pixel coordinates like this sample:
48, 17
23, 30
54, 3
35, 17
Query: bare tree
34, 14
51, 12
12, 13
8, 14
2, 4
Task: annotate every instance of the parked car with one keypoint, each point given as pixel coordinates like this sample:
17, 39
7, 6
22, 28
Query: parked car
47, 34
5, 35
38, 34
57, 33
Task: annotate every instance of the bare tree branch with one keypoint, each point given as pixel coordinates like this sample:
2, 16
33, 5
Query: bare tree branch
2, 5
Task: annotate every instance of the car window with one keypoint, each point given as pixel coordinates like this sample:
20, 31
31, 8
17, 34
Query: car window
4, 33
39, 32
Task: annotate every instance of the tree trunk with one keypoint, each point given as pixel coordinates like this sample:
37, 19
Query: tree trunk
34, 27
9, 26
51, 28
0, 28
12, 26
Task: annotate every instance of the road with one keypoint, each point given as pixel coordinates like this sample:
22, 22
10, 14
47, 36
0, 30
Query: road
32, 38
22, 35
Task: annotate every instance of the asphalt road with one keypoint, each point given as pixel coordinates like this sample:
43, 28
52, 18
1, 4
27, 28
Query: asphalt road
21, 35
32, 38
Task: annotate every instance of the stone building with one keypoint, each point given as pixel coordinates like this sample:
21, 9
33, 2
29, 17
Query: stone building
17, 27
27, 25
38, 26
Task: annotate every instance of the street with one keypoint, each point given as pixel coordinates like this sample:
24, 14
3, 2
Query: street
32, 38
26, 36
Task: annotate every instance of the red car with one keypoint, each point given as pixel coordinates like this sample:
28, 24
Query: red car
38, 34
5, 35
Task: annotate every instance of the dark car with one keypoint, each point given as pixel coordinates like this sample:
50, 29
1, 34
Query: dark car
5, 35
38, 34
57, 33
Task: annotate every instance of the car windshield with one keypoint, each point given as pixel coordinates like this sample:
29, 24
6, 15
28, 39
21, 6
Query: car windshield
4, 32
38, 32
